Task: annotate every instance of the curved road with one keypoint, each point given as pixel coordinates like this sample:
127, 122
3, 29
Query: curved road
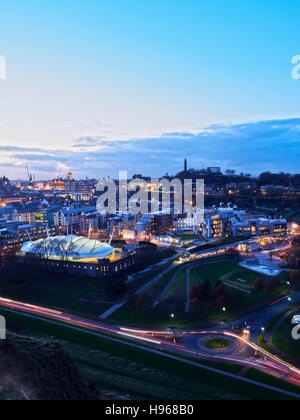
247, 353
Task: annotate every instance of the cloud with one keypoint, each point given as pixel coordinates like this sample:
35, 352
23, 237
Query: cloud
20, 149
248, 147
88, 142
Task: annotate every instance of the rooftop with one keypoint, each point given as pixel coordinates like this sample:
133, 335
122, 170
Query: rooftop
69, 246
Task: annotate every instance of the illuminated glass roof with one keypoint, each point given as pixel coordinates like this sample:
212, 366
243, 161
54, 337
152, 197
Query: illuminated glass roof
70, 247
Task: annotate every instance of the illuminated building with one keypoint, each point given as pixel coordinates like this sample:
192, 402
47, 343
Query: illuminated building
57, 184
79, 256
155, 224
80, 219
220, 223
72, 248
13, 235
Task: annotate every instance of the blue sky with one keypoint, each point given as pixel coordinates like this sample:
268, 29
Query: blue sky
96, 86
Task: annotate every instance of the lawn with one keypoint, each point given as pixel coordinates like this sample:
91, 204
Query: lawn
217, 344
138, 281
223, 270
139, 310
239, 301
71, 293
156, 288
282, 339
240, 277
74, 294
178, 286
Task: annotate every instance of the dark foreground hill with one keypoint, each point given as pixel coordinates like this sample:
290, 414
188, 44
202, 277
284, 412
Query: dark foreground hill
39, 369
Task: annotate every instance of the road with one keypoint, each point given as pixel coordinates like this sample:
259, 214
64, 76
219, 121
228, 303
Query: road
245, 351
259, 320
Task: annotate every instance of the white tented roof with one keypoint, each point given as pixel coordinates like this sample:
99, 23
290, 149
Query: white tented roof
71, 246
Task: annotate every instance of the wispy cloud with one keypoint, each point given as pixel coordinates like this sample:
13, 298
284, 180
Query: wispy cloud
252, 147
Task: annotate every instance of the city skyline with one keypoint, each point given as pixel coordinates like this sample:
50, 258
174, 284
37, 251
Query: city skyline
104, 91
149, 203
256, 147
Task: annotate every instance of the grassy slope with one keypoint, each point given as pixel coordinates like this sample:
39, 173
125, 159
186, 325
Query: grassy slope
239, 301
59, 291
39, 369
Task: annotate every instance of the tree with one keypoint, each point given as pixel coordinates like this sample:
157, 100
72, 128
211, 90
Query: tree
42, 249
212, 295
209, 307
295, 276
258, 285
219, 296
206, 287
267, 178
273, 284
64, 249
221, 302
196, 294
221, 290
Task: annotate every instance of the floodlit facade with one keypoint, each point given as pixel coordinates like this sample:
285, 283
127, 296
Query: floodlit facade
227, 222
79, 256
71, 248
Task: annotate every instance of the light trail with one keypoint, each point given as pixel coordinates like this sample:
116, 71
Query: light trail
139, 338
49, 313
256, 348
146, 331
279, 300
273, 362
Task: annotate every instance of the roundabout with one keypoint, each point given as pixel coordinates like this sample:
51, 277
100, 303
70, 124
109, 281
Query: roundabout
217, 344
212, 344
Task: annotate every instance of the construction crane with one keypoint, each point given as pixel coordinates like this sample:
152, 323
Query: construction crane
112, 235
28, 174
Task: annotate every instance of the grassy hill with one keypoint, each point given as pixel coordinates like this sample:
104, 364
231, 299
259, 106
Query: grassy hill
39, 369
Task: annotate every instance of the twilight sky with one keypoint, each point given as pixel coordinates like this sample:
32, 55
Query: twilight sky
96, 86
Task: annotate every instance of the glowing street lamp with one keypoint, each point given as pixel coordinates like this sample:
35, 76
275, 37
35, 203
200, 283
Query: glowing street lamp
172, 316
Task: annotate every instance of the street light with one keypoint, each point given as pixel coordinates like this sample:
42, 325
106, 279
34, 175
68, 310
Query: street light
263, 329
172, 316
224, 309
